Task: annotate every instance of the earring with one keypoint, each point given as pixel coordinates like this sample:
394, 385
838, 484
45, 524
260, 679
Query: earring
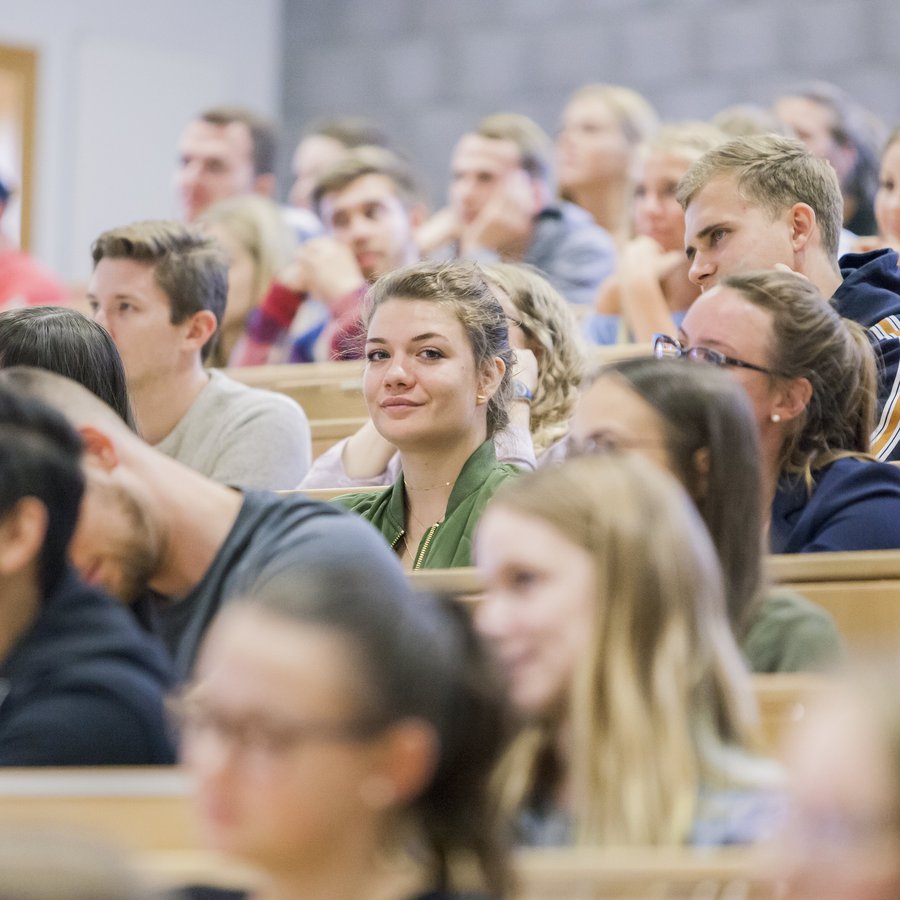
775, 418
481, 397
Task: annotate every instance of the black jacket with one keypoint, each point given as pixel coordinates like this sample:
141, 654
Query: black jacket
84, 686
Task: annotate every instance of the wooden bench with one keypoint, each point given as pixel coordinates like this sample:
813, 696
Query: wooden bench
327, 432
140, 808
860, 589
146, 811
269, 377
638, 873
784, 700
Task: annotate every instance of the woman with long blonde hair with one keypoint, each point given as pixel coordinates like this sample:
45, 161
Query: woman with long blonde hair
605, 605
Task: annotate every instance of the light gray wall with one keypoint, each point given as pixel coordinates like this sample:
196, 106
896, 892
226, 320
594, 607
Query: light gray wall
117, 81
429, 68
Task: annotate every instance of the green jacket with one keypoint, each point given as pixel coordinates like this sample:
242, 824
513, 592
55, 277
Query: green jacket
449, 543
788, 633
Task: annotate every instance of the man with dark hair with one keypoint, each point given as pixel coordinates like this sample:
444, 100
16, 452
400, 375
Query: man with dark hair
159, 289
148, 522
80, 684
763, 201
370, 206
502, 207
225, 152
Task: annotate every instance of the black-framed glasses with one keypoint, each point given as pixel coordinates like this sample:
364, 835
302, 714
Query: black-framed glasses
667, 347
258, 736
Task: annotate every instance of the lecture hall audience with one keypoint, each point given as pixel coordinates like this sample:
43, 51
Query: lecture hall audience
348, 737
887, 200
159, 288
176, 545
258, 244
502, 209
600, 128
83, 685
370, 205
64, 341
765, 201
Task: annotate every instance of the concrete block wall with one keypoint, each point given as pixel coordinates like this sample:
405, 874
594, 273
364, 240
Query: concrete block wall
428, 69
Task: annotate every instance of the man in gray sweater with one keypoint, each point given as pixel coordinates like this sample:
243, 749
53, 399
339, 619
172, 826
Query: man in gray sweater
159, 289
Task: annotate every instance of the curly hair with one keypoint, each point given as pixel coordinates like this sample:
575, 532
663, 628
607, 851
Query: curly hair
547, 320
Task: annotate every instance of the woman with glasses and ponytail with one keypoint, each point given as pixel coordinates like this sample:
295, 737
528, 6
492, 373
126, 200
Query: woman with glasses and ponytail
810, 376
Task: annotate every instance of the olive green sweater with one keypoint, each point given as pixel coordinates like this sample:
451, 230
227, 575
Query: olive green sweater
449, 543
789, 633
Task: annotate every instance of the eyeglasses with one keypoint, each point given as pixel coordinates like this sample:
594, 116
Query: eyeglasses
666, 347
603, 442
257, 736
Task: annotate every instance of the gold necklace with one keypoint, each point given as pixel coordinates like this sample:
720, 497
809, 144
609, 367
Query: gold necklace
433, 487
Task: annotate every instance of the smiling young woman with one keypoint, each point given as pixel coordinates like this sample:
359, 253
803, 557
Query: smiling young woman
437, 384
604, 603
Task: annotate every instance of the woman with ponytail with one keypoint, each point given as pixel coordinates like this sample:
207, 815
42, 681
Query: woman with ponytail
341, 743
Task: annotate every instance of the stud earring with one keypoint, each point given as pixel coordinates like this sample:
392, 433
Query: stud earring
481, 397
775, 418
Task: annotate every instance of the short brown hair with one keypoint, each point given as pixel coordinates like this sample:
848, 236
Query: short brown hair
263, 133
369, 161
189, 267
534, 145
775, 173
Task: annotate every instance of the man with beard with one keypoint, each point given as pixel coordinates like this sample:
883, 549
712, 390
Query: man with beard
159, 535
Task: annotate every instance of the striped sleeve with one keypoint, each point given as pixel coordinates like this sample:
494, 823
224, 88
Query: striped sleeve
885, 336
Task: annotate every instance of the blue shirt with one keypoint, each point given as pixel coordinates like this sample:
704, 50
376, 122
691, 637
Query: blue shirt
855, 505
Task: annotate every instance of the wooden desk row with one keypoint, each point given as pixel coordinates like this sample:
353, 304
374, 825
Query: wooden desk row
146, 812
861, 590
